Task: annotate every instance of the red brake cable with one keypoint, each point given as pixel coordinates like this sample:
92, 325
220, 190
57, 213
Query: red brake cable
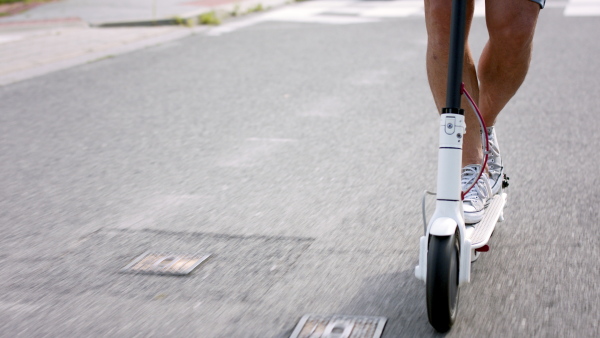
484, 139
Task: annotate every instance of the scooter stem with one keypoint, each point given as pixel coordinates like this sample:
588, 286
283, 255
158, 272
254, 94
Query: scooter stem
452, 123
456, 55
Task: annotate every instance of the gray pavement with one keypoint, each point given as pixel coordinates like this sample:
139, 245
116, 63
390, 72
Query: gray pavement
295, 151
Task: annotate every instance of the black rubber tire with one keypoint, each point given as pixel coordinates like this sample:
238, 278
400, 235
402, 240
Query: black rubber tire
442, 281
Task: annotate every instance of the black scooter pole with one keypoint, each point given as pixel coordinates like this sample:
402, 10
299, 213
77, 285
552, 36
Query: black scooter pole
456, 56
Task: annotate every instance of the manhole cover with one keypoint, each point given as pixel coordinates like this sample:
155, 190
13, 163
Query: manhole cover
165, 263
337, 326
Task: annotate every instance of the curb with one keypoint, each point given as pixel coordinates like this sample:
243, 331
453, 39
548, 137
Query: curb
213, 15
206, 16
175, 20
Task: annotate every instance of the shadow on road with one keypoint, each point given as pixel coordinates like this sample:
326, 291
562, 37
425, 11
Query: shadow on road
399, 297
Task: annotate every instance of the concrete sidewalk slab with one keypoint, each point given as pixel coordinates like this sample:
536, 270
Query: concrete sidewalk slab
27, 54
29, 25
102, 11
133, 12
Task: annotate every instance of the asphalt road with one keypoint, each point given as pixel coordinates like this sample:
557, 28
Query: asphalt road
296, 154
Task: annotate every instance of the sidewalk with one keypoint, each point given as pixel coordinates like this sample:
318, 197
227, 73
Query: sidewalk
65, 33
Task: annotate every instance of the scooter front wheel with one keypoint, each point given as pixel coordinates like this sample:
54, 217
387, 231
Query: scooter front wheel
442, 281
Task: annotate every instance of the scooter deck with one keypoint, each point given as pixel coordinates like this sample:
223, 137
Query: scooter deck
484, 229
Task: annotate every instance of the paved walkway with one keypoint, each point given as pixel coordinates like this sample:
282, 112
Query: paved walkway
98, 12
66, 33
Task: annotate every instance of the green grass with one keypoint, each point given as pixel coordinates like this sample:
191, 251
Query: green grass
257, 8
210, 18
184, 22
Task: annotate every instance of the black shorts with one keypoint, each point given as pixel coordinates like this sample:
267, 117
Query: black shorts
542, 3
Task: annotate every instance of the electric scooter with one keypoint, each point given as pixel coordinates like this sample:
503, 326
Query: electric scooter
448, 246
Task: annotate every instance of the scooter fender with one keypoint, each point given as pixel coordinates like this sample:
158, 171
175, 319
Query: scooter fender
443, 226
446, 226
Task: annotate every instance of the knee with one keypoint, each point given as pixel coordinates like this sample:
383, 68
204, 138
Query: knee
514, 34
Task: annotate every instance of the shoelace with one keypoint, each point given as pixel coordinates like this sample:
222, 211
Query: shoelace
481, 190
494, 168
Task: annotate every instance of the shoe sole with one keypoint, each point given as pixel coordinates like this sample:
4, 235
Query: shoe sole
473, 218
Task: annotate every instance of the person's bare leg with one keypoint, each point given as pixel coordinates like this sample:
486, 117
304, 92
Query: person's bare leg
437, 19
505, 59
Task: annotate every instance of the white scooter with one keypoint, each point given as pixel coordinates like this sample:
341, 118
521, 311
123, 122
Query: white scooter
448, 246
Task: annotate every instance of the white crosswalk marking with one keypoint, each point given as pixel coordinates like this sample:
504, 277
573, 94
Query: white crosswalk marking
344, 12
311, 11
583, 8
319, 12
479, 9
403, 8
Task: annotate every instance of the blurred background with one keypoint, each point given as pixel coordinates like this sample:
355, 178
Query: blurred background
291, 142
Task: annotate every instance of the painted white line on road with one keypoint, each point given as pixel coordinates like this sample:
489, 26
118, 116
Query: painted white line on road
325, 4
313, 14
356, 12
392, 12
297, 11
347, 10
556, 4
231, 27
326, 19
583, 8
479, 9
303, 14
10, 38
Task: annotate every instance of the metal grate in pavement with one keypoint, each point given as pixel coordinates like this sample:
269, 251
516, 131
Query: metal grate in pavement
339, 326
165, 263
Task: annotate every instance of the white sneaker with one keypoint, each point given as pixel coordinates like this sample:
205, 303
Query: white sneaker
478, 197
495, 168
